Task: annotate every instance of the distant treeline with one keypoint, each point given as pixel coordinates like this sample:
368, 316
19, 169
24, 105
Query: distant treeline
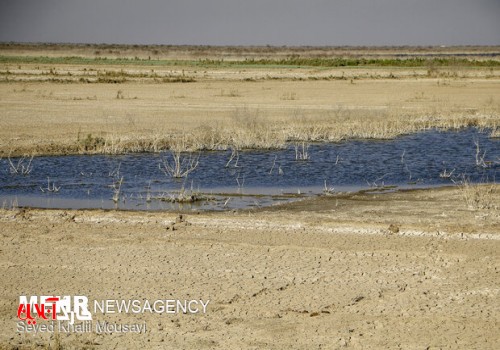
293, 61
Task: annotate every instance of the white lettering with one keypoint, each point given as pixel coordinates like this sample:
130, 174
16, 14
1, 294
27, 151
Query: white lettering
110, 306
191, 310
136, 306
99, 306
204, 305
170, 306
160, 309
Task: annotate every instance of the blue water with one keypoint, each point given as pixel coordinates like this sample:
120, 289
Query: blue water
412, 160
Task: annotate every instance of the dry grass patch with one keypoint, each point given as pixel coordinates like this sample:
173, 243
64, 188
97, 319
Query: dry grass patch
222, 110
479, 196
252, 129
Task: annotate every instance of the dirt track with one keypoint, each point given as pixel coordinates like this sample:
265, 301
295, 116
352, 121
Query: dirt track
411, 270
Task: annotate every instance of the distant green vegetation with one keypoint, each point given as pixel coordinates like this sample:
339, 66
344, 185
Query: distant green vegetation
89, 61
298, 61
293, 61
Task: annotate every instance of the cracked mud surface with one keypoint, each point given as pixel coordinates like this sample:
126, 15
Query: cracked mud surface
412, 269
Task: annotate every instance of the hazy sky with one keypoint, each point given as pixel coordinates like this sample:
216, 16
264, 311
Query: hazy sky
253, 22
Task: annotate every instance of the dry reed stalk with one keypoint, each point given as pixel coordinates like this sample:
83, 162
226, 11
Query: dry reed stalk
248, 129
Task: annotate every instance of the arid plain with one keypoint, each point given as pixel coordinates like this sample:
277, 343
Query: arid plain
412, 269
121, 99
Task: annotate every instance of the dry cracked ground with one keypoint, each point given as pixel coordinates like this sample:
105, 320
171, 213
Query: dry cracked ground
410, 269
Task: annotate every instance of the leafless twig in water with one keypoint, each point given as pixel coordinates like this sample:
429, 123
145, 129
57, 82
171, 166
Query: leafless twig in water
301, 154
21, 167
180, 165
116, 186
50, 188
240, 183
148, 193
375, 182
328, 190
115, 172
480, 162
405, 166
234, 154
280, 171
445, 174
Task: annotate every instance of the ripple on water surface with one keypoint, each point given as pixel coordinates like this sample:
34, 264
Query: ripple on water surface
255, 178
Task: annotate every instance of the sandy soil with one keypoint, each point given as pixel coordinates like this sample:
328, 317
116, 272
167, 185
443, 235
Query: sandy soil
66, 113
411, 269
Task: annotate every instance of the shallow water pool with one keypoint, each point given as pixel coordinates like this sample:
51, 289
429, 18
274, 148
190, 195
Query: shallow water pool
253, 178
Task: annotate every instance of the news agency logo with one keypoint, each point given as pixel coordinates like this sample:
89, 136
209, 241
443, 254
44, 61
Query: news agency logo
53, 308
70, 314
